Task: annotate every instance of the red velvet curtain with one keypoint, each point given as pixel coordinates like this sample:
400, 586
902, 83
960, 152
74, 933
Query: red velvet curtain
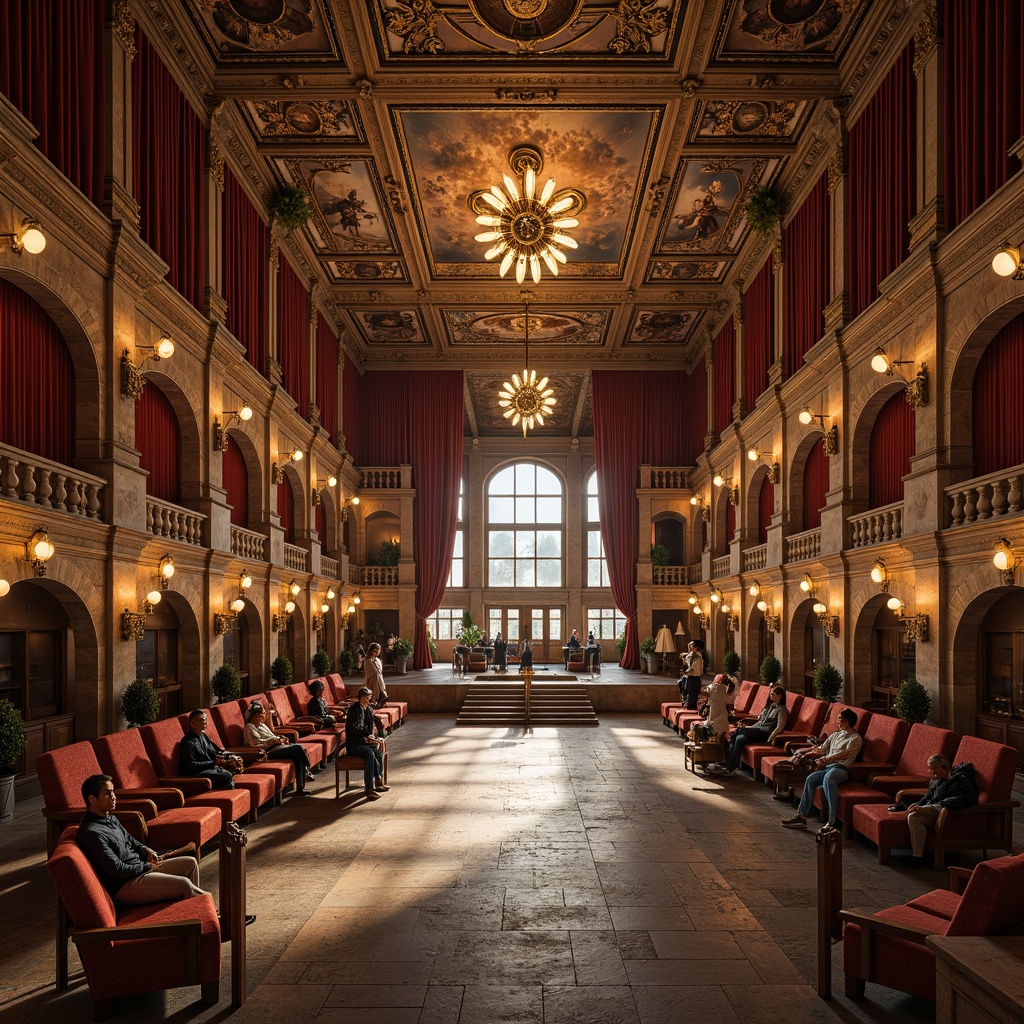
693, 412
351, 409
286, 509
32, 349
236, 482
765, 508
158, 439
52, 69
293, 335
999, 436
882, 171
815, 485
320, 520
245, 271
984, 100
806, 277
418, 419
327, 377
724, 372
730, 525
892, 445
758, 334
168, 143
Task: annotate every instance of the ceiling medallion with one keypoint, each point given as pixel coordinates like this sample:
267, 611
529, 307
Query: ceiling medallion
529, 400
525, 226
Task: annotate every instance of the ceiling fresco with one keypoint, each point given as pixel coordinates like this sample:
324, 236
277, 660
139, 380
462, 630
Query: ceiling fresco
395, 116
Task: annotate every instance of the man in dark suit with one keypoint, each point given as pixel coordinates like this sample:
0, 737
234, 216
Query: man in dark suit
200, 756
361, 741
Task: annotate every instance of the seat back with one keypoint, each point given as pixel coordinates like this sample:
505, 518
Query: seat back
744, 696
993, 900
162, 741
88, 904
336, 689
577, 659
994, 764
758, 702
831, 723
884, 739
61, 773
807, 716
922, 742
230, 722
124, 757
299, 696
279, 701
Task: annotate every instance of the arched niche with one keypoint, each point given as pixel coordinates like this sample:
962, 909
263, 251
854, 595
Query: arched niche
669, 530
721, 535
808, 648
292, 504
752, 499
243, 648
758, 642
862, 428
881, 653
293, 643
256, 473
380, 527
327, 515
174, 612
191, 468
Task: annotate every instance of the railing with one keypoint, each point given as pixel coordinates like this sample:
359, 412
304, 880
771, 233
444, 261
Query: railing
247, 544
664, 478
987, 497
879, 526
669, 575
721, 566
164, 519
801, 546
49, 484
329, 567
380, 575
387, 478
296, 558
355, 574
755, 558
695, 573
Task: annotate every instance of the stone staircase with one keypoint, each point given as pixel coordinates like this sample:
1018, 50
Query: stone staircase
504, 704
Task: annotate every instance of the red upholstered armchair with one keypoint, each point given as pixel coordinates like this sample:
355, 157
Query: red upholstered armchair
136, 949
888, 947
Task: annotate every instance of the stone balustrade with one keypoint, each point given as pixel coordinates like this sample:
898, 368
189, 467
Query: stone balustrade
755, 559
380, 575
33, 479
721, 566
986, 497
877, 526
247, 544
329, 567
669, 575
663, 478
172, 522
383, 478
802, 546
296, 558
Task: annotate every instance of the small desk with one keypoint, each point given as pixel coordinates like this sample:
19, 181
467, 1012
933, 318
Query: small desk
978, 980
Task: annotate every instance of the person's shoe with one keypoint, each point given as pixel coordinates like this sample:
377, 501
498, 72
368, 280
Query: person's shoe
302, 792
714, 769
250, 919
827, 827
797, 821
309, 776
911, 863
381, 788
371, 795
783, 796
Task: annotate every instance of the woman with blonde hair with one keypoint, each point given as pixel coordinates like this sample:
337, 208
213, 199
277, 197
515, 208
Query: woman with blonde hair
277, 748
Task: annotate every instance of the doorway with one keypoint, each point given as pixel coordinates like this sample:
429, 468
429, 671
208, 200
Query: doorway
543, 627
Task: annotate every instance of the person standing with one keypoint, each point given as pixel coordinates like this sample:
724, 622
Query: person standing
373, 676
500, 653
771, 721
690, 680
361, 741
526, 658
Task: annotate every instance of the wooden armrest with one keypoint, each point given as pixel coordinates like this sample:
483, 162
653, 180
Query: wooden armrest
889, 769
190, 785
883, 926
794, 745
992, 807
292, 734
908, 796
137, 931
249, 755
958, 879
164, 798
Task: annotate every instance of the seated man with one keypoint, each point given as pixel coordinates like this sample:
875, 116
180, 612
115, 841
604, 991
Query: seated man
951, 788
361, 741
200, 756
317, 707
132, 873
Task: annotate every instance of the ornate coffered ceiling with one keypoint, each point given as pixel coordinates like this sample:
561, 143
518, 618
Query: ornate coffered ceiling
663, 114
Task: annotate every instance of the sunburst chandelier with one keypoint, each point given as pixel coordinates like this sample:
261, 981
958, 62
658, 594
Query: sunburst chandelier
527, 228
527, 400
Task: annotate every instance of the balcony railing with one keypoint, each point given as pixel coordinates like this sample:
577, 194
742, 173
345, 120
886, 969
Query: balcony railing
879, 526
30, 478
164, 519
329, 567
296, 558
664, 478
380, 575
386, 478
755, 558
669, 575
987, 497
695, 573
721, 566
247, 544
802, 546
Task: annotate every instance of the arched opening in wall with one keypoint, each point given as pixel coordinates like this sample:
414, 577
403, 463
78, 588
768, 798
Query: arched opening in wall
998, 439
862, 440
668, 531
814, 485
880, 640
383, 532
243, 648
325, 519
759, 642
765, 507
808, 648
168, 655
724, 516
290, 507
890, 451
158, 440
293, 644
235, 480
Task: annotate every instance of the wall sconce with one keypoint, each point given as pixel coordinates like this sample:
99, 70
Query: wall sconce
281, 621
331, 481
754, 589
39, 551
223, 621
917, 388
917, 625
772, 621
165, 570
1007, 262
294, 589
132, 381
716, 595
880, 576
774, 472
697, 500
723, 481
29, 238
318, 623
829, 623
1005, 561
353, 500
703, 617
5, 588
807, 584
732, 623
220, 434
133, 625
831, 434
350, 609
277, 469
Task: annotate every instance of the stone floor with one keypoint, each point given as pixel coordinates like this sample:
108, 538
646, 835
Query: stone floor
553, 877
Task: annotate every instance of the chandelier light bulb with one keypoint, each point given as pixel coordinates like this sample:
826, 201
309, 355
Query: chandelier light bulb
762, 606
819, 608
878, 573
5, 588
894, 604
164, 348
718, 480
167, 568
693, 500
755, 589
725, 609
715, 597
325, 608
330, 593
154, 597
357, 599
753, 454
351, 610
332, 481
245, 582
806, 416
806, 584
245, 413
297, 455
693, 600
294, 589
43, 549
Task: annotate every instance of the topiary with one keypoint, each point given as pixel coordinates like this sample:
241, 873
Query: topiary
226, 684
346, 662
321, 662
828, 682
281, 671
764, 209
12, 736
913, 702
647, 645
771, 670
290, 207
621, 643
730, 663
139, 703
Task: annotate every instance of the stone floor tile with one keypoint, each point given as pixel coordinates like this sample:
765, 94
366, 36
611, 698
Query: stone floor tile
281, 1004
677, 945
698, 973
557, 918
659, 1004
594, 1004
502, 1004
649, 918
380, 994
367, 1015
442, 1005
597, 959
506, 958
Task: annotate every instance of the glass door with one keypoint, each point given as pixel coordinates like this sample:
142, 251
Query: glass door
542, 626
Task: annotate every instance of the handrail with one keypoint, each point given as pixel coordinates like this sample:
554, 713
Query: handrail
165, 519
876, 526
802, 546
296, 558
986, 497
329, 567
50, 484
247, 543
755, 558
721, 566
389, 478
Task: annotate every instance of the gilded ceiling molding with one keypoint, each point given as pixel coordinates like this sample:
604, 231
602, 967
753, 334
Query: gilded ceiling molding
895, 15
214, 156
778, 254
395, 195
527, 95
123, 21
636, 22
656, 194
837, 165
689, 86
365, 88
926, 37
414, 21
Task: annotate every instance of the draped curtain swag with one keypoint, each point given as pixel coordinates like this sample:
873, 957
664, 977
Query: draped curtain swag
327, 371
998, 437
52, 69
293, 335
724, 352
235, 480
806, 276
245, 259
158, 439
815, 485
417, 419
758, 329
892, 445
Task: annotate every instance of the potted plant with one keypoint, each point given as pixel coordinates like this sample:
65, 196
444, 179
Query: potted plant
771, 670
139, 703
432, 645
403, 652
913, 702
620, 642
281, 671
321, 662
12, 746
659, 554
764, 209
731, 664
470, 635
290, 207
226, 684
389, 553
828, 681
649, 656
347, 662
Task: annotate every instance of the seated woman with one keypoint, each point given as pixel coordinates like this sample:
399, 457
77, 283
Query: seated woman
317, 706
278, 748
771, 721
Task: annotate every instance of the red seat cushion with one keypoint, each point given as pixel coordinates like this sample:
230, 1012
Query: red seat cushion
993, 900
940, 902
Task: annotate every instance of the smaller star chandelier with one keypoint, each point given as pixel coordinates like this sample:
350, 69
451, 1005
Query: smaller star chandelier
525, 226
526, 401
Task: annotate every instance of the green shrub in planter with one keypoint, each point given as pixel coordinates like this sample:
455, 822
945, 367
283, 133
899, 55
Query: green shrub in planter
470, 635
139, 703
730, 663
647, 646
389, 552
771, 670
226, 684
659, 554
828, 682
321, 663
913, 702
12, 736
281, 671
346, 662
403, 647
290, 206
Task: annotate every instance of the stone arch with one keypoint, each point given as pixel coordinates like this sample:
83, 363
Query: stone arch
191, 470
257, 473
720, 520
675, 524
254, 623
752, 499
295, 644
799, 658
495, 470
862, 424
329, 504
866, 605
752, 640
191, 670
795, 483
300, 503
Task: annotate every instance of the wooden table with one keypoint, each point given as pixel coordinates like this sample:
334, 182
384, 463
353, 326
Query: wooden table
701, 753
978, 980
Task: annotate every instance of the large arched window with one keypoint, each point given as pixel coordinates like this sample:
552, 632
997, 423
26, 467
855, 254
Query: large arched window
525, 527
597, 563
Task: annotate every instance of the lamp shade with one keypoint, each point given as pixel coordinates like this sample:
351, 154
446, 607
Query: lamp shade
664, 643
679, 628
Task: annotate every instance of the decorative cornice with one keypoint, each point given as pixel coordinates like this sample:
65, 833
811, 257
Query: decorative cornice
527, 95
926, 38
123, 23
